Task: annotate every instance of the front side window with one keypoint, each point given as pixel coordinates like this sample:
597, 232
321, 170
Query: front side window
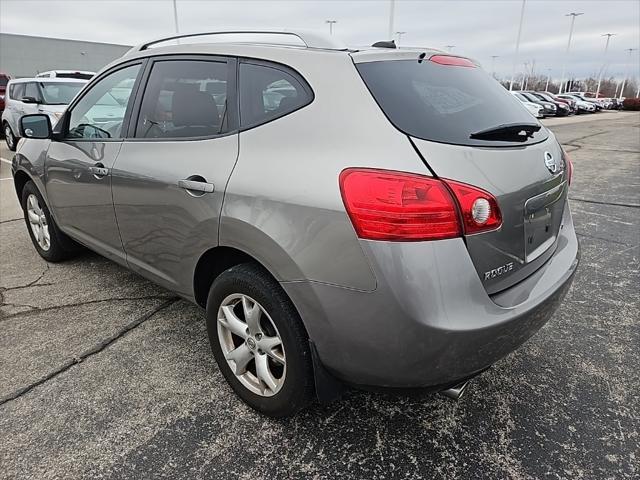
101, 112
267, 93
184, 99
58, 93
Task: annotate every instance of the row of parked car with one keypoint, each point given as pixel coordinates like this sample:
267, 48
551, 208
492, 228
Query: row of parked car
48, 92
547, 104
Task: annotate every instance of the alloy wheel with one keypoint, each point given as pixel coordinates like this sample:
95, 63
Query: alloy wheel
8, 136
38, 222
251, 345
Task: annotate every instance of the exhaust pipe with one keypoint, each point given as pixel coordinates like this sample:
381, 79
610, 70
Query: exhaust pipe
455, 392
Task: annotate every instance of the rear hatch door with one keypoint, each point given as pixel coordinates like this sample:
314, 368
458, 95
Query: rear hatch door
468, 128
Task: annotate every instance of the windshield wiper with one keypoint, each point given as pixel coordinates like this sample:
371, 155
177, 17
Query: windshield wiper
518, 132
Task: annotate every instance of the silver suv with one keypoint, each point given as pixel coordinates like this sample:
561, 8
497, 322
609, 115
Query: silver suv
375, 217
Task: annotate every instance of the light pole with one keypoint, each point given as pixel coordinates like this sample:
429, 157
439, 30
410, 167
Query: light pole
525, 78
573, 16
449, 47
392, 4
624, 80
399, 35
175, 17
546, 88
515, 57
493, 65
604, 64
330, 22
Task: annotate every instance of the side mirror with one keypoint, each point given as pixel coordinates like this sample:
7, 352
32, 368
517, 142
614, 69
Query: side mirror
29, 100
35, 126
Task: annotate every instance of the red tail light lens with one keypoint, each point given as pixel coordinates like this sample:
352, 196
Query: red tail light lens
568, 165
453, 61
388, 205
478, 208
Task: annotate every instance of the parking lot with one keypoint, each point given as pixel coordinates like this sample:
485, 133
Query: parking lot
104, 375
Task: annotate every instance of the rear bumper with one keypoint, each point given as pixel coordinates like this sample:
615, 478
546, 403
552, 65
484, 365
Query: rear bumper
429, 321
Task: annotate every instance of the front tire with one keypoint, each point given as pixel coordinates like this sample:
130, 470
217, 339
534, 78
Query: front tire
259, 342
50, 243
10, 139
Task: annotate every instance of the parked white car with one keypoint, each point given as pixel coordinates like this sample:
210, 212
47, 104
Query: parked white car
81, 75
36, 95
533, 108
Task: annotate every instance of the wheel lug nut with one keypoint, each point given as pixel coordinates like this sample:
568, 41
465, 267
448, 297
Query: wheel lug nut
258, 336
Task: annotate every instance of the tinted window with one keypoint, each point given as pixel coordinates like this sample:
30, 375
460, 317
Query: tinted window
267, 93
31, 90
58, 93
81, 76
443, 103
17, 91
529, 97
184, 98
3, 81
101, 112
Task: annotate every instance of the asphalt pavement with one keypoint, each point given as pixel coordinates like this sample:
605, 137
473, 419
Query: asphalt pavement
104, 375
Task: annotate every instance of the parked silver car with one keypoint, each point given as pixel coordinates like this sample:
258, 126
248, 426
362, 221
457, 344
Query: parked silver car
373, 217
26, 96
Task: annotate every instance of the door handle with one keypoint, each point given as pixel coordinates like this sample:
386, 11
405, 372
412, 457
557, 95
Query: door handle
99, 170
196, 186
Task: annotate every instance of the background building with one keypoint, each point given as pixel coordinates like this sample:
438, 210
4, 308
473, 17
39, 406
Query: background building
24, 56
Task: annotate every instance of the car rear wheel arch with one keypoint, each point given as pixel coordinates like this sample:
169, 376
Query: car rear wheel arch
215, 261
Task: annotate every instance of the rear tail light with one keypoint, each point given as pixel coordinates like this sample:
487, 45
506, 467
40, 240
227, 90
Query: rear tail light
478, 208
398, 206
568, 165
388, 205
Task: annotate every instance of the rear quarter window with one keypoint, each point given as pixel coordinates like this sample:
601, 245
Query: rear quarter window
443, 103
268, 92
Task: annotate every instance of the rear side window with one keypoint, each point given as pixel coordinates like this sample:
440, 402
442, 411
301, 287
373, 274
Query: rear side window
269, 92
444, 103
16, 91
184, 99
31, 90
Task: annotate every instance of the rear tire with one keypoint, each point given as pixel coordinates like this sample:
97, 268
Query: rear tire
50, 243
277, 381
10, 139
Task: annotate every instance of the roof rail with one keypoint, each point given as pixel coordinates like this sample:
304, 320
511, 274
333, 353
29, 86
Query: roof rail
310, 39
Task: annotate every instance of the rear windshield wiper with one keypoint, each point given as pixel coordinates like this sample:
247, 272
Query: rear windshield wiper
518, 132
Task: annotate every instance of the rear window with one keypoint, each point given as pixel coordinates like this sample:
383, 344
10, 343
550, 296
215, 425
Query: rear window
444, 103
58, 93
79, 75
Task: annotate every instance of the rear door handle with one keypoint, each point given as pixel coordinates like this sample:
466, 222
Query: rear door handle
196, 186
99, 171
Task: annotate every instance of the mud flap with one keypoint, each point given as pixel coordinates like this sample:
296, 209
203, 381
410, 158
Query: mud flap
328, 388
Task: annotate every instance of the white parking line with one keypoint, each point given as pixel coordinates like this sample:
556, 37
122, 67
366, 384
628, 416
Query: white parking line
8, 178
5, 160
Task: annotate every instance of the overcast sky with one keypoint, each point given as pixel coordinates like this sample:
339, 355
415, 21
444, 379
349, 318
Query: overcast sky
477, 28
